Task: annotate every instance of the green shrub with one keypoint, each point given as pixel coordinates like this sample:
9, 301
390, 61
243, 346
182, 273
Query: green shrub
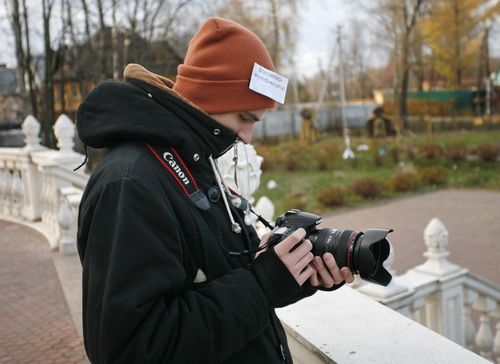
456, 152
395, 154
474, 179
325, 154
401, 181
295, 201
331, 196
432, 175
430, 151
292, 164
271, 157
411, 152
367, 187
293, 156
488, 152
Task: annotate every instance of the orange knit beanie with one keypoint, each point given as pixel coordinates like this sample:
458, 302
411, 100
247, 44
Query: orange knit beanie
216, 72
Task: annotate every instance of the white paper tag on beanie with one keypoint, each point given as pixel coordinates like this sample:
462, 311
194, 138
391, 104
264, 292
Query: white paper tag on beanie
268, 83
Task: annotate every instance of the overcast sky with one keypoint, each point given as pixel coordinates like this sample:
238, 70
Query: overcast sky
318, 31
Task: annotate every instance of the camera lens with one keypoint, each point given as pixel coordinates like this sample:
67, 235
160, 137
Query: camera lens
362, 253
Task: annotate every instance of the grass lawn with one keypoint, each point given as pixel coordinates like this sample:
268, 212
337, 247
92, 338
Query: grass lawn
420, 163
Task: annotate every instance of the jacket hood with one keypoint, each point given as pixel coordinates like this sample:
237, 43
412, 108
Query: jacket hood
145, 108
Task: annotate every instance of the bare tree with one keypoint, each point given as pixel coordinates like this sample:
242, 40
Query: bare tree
18, 40
274, 21
399, 19
28, 64
48, 114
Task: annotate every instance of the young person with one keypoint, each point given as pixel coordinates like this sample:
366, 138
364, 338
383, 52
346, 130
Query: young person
171, 271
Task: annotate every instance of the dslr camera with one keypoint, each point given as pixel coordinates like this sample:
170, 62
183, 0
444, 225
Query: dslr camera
362, 253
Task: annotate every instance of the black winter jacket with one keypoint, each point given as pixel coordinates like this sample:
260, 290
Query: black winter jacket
158, 283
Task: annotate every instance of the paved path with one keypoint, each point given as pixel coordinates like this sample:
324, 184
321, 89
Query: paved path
472, 218
35, 323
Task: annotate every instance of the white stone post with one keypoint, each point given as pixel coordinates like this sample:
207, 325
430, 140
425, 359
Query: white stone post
444, 308
436, 240
31, 178
31, 129
64, 130
51, 165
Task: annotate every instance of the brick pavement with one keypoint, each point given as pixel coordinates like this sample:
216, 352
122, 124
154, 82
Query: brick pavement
35, 323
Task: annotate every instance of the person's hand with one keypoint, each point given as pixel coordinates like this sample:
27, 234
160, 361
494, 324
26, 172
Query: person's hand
327, 273
296, 261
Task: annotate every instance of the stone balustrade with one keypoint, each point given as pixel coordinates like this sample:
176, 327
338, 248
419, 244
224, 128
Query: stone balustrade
34, 183
445, 297
436, 312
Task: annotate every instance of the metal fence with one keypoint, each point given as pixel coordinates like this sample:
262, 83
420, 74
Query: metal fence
288, 121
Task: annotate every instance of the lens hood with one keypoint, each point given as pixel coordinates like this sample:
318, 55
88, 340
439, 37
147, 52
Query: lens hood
370, 253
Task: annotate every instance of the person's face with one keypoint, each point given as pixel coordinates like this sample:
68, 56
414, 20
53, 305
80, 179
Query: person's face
242, 122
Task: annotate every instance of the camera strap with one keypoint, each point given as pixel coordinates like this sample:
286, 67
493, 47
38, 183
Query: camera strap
174, 164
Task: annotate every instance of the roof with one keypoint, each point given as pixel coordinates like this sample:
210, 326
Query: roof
8, 83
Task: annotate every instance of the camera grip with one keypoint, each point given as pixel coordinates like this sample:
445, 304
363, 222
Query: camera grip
276, 281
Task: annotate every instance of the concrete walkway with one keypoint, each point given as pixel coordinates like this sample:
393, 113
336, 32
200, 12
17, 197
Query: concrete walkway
40, 290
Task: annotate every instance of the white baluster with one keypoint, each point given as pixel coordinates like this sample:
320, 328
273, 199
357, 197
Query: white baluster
2, 196
496, 341
17, 193
67, 243
53, 205
484, 338
45, 199
470, 297
416, 312
6, 191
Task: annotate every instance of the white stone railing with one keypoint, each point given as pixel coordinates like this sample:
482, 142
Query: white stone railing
445, 297
459, 309
38, 185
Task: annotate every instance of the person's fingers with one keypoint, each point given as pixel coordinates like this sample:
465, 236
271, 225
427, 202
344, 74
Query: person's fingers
263, 241
305, 274
333, 268
347, 275
298, 260
314, 279
296, 255
286, 245
323, 276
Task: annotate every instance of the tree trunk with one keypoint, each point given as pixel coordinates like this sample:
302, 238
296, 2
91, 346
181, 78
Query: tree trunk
27, 65
20, 58
48, 109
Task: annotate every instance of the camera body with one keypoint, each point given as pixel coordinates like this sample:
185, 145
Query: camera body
362, 253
